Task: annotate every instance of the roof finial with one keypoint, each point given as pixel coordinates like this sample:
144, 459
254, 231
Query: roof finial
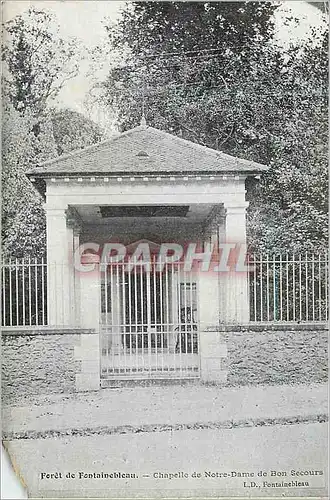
143, 121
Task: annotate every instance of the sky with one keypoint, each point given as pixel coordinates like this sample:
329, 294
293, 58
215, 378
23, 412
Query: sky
83, 19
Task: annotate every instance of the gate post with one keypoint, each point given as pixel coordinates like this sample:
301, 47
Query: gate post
213, 355
213, 349
88, 352
90, 283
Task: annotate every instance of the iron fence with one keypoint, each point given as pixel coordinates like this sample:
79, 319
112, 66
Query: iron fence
24, 292
288, 288
149, 322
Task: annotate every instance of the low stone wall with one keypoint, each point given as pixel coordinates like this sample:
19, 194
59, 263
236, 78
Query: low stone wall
276, 357
38, 364
41, 363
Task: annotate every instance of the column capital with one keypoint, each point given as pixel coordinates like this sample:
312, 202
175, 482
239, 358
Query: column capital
236, 208
55, 212
73, 220
214, 219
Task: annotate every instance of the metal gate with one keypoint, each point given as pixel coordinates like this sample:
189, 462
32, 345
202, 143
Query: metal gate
149, 322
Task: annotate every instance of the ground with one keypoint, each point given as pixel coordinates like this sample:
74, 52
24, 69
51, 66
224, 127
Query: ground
281, 448
145, 409
171, 429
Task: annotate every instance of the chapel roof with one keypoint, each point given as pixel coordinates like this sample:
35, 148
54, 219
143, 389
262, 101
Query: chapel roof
145, 149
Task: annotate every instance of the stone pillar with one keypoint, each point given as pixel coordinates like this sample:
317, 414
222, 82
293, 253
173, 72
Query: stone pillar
209, 280
60, 290
76, 277
74, 225
88, 352
236, 280
208, 299
90, 292
212, 350
213, 355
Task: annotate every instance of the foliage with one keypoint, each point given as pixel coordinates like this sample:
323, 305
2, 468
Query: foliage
173, 26
37, 63
212, 74
289, 206
37, 60
23, 217
177, 55
73, 131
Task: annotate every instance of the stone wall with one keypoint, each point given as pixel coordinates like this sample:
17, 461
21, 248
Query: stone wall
276, 357
41, 364
38, 365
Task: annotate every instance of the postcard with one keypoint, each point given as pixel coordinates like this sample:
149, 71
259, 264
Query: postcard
164, 277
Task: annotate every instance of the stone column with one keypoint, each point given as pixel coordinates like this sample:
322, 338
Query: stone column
76, 276
209, 281
212, 349
88, 352
208, 299
75, 225
236, 280
90, 292
60, 296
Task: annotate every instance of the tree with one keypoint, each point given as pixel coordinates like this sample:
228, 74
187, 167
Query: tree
73, 130
289, 207
156, 27
219, 79
37, 61
174, 52
23, 217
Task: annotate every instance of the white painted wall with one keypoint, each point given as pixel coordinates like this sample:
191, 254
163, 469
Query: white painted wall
63, 193
177, 192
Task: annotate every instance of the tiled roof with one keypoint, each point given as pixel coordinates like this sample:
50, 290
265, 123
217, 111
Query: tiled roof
145, 150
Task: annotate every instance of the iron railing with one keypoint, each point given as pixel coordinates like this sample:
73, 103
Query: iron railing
24, 292
288, 288
149, 322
